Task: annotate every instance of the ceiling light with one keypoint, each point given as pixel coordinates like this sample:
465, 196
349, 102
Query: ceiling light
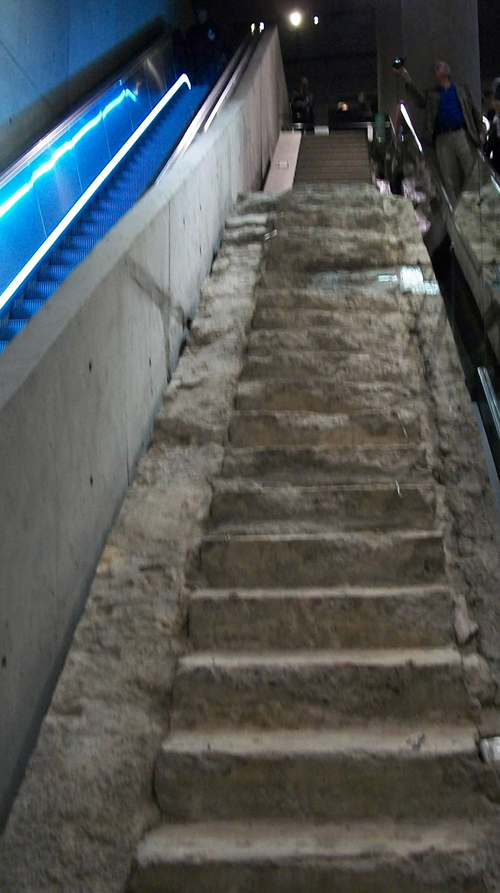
316, 20
296, 19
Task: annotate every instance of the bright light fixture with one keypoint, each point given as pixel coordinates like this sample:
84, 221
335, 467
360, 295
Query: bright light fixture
252, 27
316, 20
296, 19
50, 241
261, 26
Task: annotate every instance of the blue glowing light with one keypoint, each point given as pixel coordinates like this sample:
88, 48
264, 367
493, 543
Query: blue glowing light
69, 217
63, 150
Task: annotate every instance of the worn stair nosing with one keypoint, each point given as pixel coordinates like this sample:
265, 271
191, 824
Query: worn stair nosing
373, 738
381, 657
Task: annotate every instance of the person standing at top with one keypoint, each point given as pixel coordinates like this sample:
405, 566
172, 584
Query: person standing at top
302, 104
207, 54
453, 124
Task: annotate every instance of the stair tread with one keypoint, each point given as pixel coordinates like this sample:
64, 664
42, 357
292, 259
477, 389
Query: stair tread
242, 485
447, 655
416, 740
361, 592
253, 840
327, 536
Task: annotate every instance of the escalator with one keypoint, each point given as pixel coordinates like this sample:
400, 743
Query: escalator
63, 195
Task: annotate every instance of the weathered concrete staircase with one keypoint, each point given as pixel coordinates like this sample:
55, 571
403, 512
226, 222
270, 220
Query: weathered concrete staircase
322, 737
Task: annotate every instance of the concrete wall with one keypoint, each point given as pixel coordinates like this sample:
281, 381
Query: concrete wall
79, 387
422, 32
52, 51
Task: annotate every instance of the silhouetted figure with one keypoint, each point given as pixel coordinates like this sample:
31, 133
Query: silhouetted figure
362, 106
206, 52
302, 104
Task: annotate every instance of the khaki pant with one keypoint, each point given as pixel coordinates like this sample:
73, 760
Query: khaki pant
457, 154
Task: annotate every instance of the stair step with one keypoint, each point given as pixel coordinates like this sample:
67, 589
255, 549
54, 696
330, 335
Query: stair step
318, 689
349, 299
296, 857
270, 318
322, 395
319, 465
238, 504
269, 428
376, 772
322, 559
266, 619
336, 365
262, 342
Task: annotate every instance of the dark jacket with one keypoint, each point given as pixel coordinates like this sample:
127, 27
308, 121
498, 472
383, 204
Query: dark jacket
429, 101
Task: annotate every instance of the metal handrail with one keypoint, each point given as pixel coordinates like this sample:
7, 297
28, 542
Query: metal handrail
209, 108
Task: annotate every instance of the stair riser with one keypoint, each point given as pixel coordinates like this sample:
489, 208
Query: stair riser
359, 320
377, 301
336, 509
341, 366
314, 696
268, 430
322, 397
315, 466
321, 788
308, 875
297, 562
262, 343
281, 623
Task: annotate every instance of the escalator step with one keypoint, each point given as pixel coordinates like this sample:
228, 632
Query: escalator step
71, 256
25, 309
82, 241
115, 204
10, 328
41, 289
54, 272
103, 216
92, 229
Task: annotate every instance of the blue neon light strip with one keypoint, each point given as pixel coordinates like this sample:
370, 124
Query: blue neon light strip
63, 150
50, 241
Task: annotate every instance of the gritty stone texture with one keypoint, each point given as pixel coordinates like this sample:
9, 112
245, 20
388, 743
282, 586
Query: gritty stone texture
253, 708
86, 799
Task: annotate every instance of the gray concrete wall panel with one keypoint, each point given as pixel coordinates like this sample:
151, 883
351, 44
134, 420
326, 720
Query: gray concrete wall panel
423, 32
80, 385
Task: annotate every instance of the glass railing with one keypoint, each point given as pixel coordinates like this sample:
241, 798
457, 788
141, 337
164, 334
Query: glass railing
464, 243
477, 218
64, 194
42, 192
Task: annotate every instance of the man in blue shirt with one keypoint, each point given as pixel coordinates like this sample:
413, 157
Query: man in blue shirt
453, 124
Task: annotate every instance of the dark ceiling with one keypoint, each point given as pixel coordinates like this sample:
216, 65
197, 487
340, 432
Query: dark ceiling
346, 19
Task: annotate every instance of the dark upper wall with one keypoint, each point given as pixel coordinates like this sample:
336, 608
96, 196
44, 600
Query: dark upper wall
338, 56
53, 51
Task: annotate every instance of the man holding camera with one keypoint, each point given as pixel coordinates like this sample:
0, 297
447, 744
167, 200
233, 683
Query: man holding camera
453, 124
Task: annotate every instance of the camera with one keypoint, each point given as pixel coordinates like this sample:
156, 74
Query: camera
398, 62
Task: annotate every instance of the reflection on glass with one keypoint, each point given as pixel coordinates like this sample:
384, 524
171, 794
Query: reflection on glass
478, 217
35, 199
